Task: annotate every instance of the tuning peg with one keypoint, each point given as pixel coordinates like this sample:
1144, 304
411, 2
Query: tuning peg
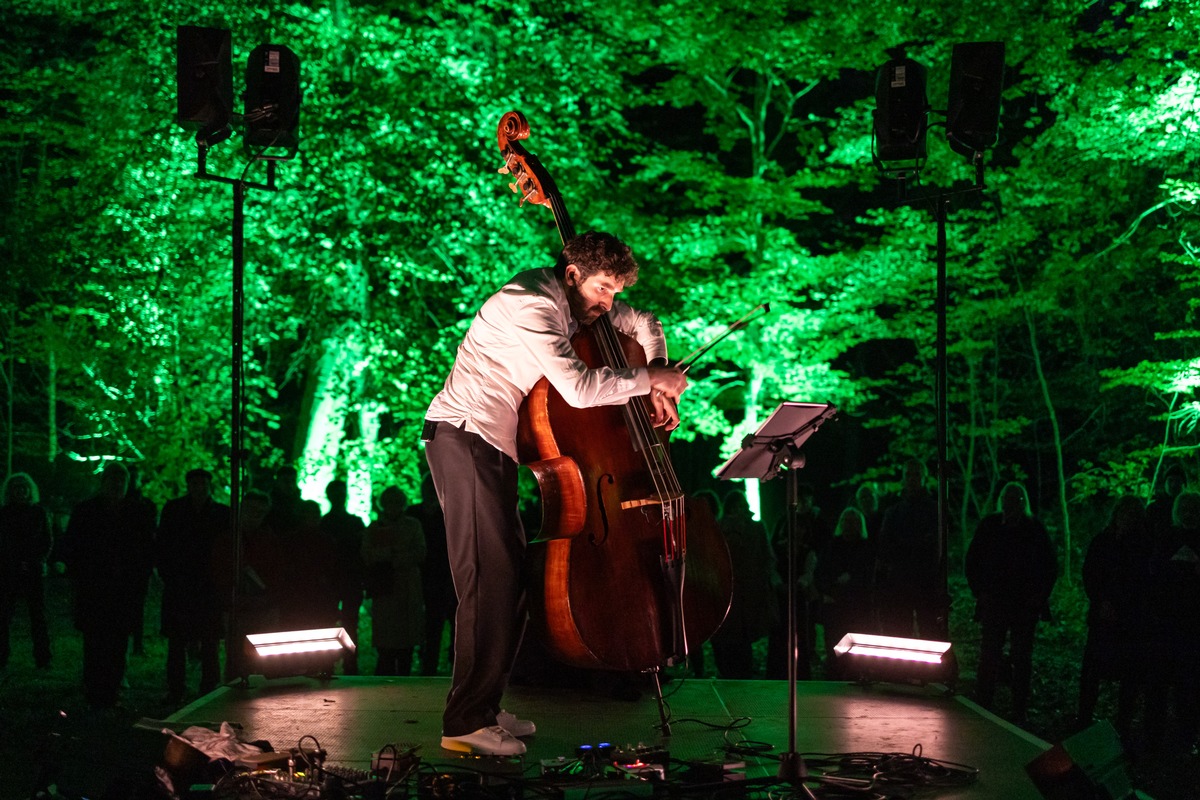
503, 170
513, 186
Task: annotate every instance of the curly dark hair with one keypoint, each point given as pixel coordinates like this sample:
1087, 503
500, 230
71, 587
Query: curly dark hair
595, 252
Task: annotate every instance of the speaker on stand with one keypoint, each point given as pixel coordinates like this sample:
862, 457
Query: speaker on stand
204, 82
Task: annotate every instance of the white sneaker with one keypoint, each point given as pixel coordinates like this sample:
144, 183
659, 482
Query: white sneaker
490, 741
517, 727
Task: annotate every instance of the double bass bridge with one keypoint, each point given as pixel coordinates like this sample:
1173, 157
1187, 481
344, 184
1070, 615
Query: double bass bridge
666, 501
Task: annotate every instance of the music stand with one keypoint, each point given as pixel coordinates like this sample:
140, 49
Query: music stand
774, 446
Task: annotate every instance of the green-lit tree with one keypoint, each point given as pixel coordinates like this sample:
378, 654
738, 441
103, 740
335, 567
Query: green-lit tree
728, 142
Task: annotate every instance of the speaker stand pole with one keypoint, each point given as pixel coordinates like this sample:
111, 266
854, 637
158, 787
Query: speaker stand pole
237, 452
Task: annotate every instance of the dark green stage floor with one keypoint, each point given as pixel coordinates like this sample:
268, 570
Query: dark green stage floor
354, 717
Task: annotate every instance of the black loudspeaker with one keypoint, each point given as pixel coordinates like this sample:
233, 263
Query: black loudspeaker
1088, 766
973, 108
901, 111
272, 98
203, 78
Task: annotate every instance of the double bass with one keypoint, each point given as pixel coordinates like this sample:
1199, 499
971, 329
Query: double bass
629, 573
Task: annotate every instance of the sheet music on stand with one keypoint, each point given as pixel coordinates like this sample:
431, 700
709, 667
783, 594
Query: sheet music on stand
776, 440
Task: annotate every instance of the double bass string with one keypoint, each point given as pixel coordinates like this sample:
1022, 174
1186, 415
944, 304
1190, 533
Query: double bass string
666, 483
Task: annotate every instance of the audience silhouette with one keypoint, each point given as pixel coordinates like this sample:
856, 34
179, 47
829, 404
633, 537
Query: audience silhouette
103, 564
1116, 577
393, 552
25, 544
753, 606
1011, 568
845, 577
909, 592
190, 532
344, 532
1175, 628
436, 580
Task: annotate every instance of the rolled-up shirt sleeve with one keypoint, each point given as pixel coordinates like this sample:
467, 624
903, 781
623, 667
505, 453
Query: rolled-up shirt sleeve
642, 326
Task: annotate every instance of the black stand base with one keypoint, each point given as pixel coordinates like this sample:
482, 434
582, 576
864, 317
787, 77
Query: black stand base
664, 726
791, 767
793, 771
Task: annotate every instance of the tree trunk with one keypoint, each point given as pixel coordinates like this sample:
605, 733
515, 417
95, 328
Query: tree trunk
52, 407
750, 423
968, 467
1058, 453
332, 395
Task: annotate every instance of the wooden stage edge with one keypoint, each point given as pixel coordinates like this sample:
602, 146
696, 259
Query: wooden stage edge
353, 717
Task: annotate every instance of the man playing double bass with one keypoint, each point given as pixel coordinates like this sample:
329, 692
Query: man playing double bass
521, 334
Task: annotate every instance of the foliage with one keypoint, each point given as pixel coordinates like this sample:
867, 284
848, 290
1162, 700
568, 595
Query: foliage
730, 142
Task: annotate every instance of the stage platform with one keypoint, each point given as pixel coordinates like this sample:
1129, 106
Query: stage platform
353, 717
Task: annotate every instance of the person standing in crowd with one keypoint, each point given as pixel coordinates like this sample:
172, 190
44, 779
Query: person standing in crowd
1175, 628
1011, 569
845, 575
260, 584
521, 335
1160, 514
1116, 577
191, 530
811, 533
286, 503
752, 608
344, 531
866, 500
309, 584
436, 580
909, 595
393, 551
102, 565
25, 544
144, 515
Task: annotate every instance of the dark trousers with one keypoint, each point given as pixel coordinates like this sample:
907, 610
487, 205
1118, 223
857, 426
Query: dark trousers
477, 487
439, 609
138, 636
104, 665
1018, 628
734, 657
908, 614
1171, 680
27, 587
1111, 654
395, 661
210, 665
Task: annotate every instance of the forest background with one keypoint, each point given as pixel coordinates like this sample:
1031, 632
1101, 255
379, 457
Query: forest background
728, 142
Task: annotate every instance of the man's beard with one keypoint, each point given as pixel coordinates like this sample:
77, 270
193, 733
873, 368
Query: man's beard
583, 314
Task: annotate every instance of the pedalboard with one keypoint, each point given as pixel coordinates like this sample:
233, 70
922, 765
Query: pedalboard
637, 762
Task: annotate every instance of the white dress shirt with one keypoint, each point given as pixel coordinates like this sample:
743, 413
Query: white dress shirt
522, 333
